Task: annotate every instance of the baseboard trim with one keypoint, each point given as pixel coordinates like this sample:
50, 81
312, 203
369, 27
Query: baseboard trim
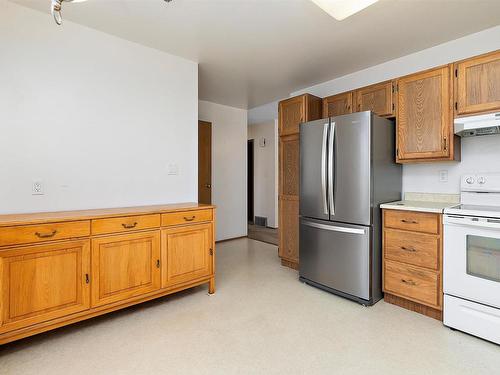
231, 239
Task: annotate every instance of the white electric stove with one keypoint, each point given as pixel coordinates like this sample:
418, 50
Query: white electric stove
471, 263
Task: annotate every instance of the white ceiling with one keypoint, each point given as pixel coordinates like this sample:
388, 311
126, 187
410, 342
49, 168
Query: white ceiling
255, 51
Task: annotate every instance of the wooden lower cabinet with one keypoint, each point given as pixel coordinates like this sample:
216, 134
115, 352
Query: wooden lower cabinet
187, 254
413, 261
54, 283
125, 266
43, 282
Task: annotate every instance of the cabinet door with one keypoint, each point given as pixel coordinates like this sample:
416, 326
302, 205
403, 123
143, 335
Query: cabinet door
424, 120
125, 266
337, 105
43, 282
289, 229
291, 113
478, 84
289, 148
187, 254
376, 98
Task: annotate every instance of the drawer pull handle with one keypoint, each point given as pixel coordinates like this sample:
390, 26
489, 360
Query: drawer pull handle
409, 221
189, 218
46, 235
409, 249
129, 226
409, 282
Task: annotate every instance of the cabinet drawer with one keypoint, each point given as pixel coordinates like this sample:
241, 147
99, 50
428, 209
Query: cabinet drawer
125, 224
413, 221
413, 248
24, 234
186, 217
411, 282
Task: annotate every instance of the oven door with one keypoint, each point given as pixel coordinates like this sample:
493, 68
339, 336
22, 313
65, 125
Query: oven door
472, 259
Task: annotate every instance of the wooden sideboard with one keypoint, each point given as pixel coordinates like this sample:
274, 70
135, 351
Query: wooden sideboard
57, 268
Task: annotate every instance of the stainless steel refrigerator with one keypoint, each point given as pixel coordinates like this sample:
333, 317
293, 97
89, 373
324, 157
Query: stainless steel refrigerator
347, 169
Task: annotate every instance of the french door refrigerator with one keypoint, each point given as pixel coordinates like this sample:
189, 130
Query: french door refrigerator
347, 169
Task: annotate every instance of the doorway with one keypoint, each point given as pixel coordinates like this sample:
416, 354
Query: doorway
250, 180
204, 162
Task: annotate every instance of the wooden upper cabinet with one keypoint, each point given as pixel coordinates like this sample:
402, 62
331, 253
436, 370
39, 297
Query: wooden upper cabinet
187, 254
477, 84
296, 110
125, 266
43, 282
337, 105
425, 117
377, 98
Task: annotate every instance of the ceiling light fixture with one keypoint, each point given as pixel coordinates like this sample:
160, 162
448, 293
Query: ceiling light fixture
341, 9
55, 8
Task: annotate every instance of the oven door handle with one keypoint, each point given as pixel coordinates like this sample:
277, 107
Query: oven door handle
467, 222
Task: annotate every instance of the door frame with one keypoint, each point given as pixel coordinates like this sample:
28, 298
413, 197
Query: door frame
251, 180
200, 182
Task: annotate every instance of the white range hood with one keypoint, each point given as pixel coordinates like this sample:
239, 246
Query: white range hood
473, 126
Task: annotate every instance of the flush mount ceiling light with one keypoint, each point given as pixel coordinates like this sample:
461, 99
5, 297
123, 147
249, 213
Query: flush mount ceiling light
340, 9
55, 8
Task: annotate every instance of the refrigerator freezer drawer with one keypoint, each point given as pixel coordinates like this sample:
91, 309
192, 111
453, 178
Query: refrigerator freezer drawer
478, 320
336, 255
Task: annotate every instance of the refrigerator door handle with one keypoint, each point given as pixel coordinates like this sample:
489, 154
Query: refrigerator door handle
334, 228
331, 169
323, 168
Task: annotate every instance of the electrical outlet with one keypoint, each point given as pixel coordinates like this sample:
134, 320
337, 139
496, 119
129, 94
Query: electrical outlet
37, 187
443, 176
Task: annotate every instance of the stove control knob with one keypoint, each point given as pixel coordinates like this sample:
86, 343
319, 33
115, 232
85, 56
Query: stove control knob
481, 180
469, 180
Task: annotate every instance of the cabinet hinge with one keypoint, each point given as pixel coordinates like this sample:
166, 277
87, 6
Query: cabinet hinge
393, 107
157, 263
211, 251
456, 106
456, 72
393, 89
87, 278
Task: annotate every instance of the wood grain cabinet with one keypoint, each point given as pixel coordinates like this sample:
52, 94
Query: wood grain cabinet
125, 266
425, 117
187, 254
412, 261
60, 268
377, 98
43, 282
337, 105
292, 112
477, 84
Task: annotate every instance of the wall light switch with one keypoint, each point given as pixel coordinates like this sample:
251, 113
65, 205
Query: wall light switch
443, 176
37, 187
173, 169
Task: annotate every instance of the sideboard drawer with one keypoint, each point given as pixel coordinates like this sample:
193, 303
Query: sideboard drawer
413, 221
125, 224
411, 282
24, 234
186, 217
414, 248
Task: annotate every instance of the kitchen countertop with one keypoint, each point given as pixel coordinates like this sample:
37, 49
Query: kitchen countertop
424, 202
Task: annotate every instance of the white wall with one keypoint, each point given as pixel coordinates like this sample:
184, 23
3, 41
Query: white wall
96, 118
265, 170
263, 113
478, 155
229, 167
